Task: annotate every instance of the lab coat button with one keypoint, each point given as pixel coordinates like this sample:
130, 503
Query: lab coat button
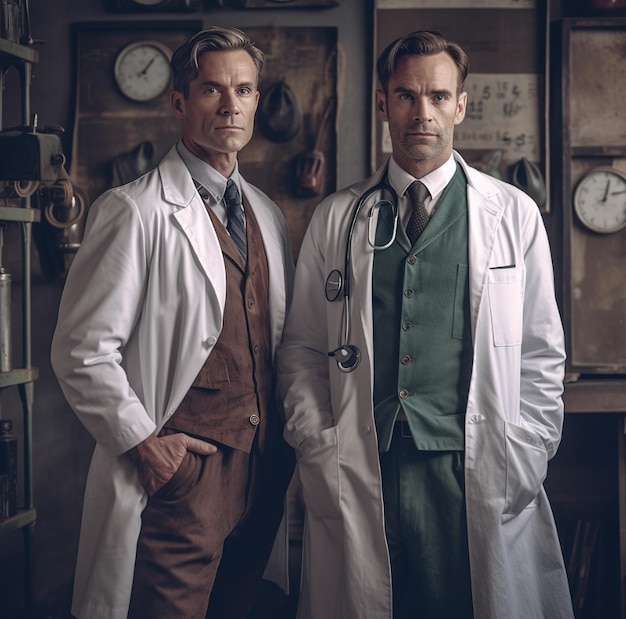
407, 325
408, 293
211, 341
254, 420
412, 260
405, 360
404, 394
476, 418
367, 429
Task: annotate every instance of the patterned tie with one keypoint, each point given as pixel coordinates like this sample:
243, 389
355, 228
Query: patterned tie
236, 225
417, 193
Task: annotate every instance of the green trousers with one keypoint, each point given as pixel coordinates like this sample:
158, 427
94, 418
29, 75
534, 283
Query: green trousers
426, 530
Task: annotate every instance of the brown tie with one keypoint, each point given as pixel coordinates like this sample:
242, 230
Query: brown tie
417, 193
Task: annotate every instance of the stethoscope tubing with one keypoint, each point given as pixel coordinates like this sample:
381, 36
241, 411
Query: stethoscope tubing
348, 356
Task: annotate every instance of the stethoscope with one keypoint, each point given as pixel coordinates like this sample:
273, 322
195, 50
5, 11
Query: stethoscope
348, 356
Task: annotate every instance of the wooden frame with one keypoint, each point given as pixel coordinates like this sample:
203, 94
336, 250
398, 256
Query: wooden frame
106, 124
507, 42
593, 128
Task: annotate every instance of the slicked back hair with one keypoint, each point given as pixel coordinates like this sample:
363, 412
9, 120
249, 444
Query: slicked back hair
185, 60
420, 43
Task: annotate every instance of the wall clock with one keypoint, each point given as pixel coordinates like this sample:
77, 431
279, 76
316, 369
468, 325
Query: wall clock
600, 200
142, 70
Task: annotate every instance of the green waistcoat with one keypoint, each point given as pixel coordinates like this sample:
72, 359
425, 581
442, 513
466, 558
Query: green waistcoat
422, 340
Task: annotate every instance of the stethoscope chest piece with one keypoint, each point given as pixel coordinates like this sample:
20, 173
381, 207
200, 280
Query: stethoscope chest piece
347, 357
334, 285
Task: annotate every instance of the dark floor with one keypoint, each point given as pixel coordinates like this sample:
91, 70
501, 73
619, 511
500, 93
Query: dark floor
271, 604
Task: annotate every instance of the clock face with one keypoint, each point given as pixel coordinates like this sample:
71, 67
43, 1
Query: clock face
142, 70
600, 200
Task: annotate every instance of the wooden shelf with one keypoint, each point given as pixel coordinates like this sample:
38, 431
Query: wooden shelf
18, 377
23, 518
617, 152
10, 52
606, 395
19, 213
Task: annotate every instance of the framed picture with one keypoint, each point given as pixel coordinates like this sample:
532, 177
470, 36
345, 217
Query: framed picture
120, 133
506, 131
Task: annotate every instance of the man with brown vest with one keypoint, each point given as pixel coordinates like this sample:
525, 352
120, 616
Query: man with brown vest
164, 348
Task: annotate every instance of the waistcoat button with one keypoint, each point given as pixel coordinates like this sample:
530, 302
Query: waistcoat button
405, 360
255, 420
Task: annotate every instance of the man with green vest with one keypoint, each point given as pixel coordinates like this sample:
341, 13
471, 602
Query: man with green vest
422, 369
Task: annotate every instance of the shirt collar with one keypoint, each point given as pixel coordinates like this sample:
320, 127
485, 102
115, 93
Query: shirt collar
206, 175
435, 181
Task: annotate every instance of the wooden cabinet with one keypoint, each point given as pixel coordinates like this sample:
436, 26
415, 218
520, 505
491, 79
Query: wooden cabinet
593, 129
588, 474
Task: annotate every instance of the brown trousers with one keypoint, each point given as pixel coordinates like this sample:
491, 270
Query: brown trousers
207, 534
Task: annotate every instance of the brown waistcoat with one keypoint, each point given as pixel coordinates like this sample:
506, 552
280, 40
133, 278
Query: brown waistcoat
233, 395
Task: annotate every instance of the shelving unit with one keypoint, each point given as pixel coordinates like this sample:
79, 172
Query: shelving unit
19, 211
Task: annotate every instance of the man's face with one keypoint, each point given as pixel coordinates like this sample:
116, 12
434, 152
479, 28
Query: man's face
218, 115
422, 109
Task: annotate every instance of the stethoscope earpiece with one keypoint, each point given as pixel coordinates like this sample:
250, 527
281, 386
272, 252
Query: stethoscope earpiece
348, 357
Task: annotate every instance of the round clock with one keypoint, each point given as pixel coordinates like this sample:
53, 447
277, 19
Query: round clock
142, 70
600, 200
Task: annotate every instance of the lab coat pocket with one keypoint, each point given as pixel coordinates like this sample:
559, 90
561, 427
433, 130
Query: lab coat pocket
505, 291
526, 468
318, 465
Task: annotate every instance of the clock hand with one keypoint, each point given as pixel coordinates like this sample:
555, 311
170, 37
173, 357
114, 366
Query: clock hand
606, 191
617, 193
145, 70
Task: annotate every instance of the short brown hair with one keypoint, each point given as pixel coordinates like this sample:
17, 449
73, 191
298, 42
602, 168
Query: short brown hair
420, 43
185, 59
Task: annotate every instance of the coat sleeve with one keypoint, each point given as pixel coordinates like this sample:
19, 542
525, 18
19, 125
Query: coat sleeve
543, 346
100, 305
302, 360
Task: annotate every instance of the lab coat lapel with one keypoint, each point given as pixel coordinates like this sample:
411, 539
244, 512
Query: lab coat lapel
194, 221
484, 215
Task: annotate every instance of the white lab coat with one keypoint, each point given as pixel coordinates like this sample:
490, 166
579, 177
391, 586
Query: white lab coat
141, 311
513, 419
